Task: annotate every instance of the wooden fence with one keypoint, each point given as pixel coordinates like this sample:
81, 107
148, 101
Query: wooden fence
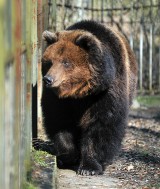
138, 20
21, 23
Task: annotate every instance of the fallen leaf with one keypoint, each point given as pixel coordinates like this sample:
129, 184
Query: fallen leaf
130, 167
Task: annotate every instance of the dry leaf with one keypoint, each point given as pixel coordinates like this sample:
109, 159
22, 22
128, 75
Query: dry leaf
130, 167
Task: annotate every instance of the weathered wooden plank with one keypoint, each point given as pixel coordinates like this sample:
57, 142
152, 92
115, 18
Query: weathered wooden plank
17, 58
2, 60
159, 70
150, 57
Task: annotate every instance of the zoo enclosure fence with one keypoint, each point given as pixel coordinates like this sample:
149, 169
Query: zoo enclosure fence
21, 23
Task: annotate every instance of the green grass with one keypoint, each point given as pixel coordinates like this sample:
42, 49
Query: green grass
28, 185
156, 186
149, 101
39, 157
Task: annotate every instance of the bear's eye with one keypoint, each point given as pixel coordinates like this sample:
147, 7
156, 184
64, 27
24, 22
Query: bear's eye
66, 64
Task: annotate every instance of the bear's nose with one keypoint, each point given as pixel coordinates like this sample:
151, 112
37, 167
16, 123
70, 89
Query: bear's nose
48, 80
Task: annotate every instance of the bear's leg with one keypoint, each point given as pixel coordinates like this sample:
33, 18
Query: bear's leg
62, 145
65, 149
90, 150
99, 145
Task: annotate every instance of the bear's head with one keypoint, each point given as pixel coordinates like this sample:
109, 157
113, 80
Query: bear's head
69, 63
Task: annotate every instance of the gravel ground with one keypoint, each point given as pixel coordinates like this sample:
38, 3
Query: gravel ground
138, 165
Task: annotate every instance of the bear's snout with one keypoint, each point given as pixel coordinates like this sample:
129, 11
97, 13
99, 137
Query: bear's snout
48, 80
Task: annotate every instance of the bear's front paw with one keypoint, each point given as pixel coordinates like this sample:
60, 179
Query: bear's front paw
90, 167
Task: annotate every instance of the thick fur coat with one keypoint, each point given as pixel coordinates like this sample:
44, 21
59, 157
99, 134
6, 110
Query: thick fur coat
89, 74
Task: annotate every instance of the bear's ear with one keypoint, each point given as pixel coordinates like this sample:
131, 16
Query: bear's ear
87, 42
49, 37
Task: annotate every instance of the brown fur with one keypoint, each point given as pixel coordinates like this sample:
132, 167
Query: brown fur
89, 83
130, 65
66, 50
72, 85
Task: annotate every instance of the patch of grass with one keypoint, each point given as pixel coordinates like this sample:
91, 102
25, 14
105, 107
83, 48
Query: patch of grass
143, 152
43, 169
28, 185
149, 101
39, 157
156, 186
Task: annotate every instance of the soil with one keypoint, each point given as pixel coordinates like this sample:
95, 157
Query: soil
138, 165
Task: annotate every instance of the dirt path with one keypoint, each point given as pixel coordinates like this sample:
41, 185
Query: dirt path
138, 166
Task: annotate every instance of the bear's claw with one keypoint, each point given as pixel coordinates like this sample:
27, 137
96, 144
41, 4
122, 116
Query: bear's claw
86, 172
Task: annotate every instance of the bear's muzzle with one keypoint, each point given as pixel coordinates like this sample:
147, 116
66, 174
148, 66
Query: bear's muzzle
48, 80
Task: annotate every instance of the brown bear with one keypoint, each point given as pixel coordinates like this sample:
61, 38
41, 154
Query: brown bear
89, 73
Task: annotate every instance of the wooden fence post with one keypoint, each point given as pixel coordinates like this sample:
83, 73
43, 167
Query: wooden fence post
2, 61
102, 12
141, 59
150, 58
159, 70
